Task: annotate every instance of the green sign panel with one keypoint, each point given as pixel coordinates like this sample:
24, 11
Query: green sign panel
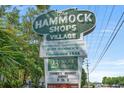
67, 24
61, 64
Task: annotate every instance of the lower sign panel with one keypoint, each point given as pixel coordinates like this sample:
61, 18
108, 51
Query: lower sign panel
63, 77
62, 85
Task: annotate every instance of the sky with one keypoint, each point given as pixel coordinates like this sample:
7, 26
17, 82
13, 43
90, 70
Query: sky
112, 64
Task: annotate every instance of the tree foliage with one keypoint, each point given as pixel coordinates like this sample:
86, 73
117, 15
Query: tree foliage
19, 47
83, 78
113, 80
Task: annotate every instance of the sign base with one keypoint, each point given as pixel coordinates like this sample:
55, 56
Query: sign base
62, 86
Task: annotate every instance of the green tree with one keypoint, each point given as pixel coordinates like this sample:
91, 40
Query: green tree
104, 80
83, 78
19, 47
113, 80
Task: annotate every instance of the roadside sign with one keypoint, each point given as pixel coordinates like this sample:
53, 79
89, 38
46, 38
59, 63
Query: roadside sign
63, 25
63, 48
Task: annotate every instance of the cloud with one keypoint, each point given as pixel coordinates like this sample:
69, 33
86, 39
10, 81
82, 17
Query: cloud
114, 62
106, 30
98, 75
119, 62
108, 69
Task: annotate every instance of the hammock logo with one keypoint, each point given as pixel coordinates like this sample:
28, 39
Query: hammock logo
67, 24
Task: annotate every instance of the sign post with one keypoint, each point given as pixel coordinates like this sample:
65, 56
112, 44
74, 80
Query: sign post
63, 48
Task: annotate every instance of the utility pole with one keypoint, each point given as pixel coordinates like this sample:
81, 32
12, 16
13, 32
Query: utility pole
87, 64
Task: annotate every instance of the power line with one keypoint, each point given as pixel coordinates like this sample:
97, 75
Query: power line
99, 60
106, 48
96, 11
101, 25
100, 41
114, 31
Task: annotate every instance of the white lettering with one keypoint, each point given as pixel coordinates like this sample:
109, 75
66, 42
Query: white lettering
87, 17
79, 18
74, 28
72, 18
52, 29
53, 21
63, 20
38, 24
45, 22
68, 27
63, 36
62, 28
